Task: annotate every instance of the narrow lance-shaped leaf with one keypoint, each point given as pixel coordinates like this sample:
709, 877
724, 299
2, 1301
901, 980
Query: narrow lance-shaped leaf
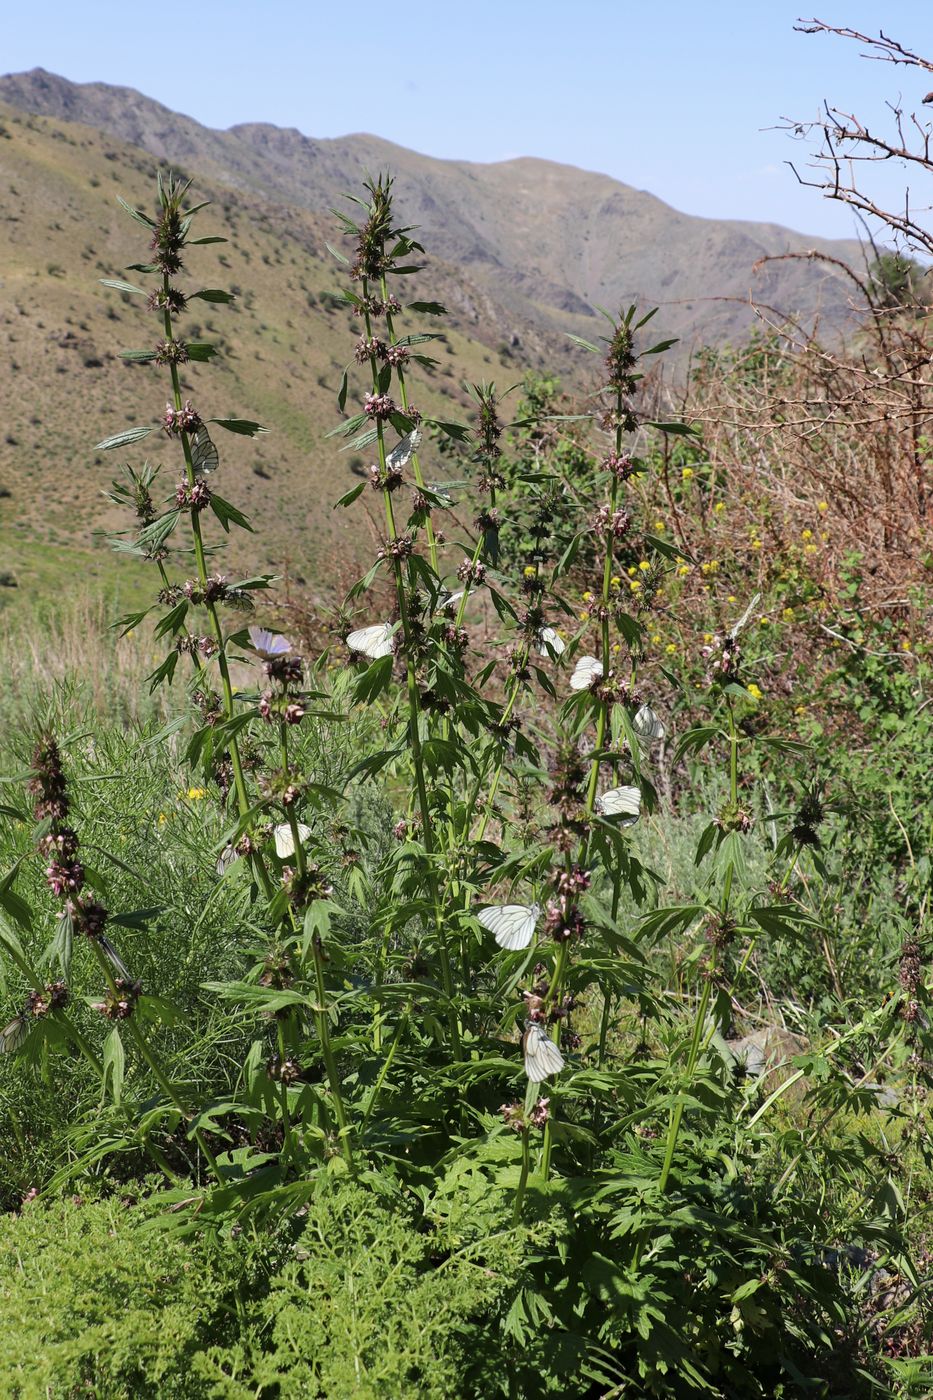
122, 439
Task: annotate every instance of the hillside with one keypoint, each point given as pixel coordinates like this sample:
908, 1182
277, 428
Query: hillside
283, 347
545, 240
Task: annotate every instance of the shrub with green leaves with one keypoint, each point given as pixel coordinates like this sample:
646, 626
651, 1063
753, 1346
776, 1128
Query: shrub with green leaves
421, 944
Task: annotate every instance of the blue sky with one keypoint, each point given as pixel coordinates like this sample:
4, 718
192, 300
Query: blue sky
671, 96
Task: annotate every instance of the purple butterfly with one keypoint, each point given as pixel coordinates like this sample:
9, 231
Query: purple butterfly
268, 644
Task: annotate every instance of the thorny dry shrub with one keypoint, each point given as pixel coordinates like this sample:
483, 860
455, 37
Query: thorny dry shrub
798, 432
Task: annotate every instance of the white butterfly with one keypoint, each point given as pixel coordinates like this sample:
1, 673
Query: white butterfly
204, 455
512, 924
736, 627
113, 957
542, 1057
268, 644
647, 725
374, 642
402, 452
450, 601
13, 1036
620, 802
548, 642
586, 671
285, 841
226, 858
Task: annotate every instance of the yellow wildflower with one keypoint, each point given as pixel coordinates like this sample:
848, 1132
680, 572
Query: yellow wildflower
162, 819
756, 544
656, 637
634, 585
195, 793
719, 507
584, 616
800, 710
905, 645
644, 566
824, 535
822, 507
529, 571
764, 621
810, 549
806, 534
631, 570
587, 597
788, 614
683, 570
670, 648
687, 473
754, 691
707, 637
615, 581
732, 598
616, 647
660, 525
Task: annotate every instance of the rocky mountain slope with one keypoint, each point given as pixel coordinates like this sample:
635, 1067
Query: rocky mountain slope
547, 241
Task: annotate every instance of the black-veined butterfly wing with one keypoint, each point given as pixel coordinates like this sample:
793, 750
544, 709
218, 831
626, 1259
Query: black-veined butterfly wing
513, 925
204, 456
587, 670
736, 627
542, 1057
550, 643
647, 725
374, 642
13, 1036
624, 802
114, 959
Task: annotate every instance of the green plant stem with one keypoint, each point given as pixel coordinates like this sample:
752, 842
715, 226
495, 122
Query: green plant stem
415, 463
386, 1066
256, 861
523, 1178
152, 1061
414, 735
678, 1109
288, 1140
321, 1014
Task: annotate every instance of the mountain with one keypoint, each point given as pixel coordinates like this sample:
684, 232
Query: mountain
518, 251
283, 343
548, 242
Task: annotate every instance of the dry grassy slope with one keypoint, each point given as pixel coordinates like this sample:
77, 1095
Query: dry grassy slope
548, 241
282, 350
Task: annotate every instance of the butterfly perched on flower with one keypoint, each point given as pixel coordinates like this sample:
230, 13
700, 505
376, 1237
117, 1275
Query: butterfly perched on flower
542, 1057
268, 644
548, 643
587, 671
113, 957
13, 1036
512, 924
736, 627
285, 840
449, 601
647, 725
204, 455
622, 802
403, 451
374, 642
